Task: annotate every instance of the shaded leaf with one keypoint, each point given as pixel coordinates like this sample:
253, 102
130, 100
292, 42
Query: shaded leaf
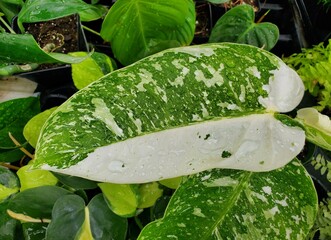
9, 228
75, 182
14, 114
73, 220
9, 183
230, 204
34, 231
237, 25
37, 202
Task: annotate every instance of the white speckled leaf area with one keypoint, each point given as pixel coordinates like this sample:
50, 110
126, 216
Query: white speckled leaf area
240, 205
178, 112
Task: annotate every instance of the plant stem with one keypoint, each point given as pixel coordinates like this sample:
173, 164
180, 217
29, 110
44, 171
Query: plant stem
12, 69
7, 26
20, 145
91, 30
9, 166
138, 222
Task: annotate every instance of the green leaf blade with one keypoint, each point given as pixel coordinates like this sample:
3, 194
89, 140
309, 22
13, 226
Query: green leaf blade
239, 205
136, 29
237, 25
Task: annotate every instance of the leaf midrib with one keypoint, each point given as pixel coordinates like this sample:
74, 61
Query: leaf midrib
230, 203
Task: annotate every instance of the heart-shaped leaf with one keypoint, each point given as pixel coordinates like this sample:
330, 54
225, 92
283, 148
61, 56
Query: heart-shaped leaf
229, 204
237, 25
36, 202
138, 28
71, 219
9, 228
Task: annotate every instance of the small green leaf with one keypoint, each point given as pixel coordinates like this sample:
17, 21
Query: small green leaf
148, 194
237, 25
31, 178
230, 204
172, 183
139, 28
73, 220
9, 183
317, 127
91, 69
33, 127
37, 202
122, 198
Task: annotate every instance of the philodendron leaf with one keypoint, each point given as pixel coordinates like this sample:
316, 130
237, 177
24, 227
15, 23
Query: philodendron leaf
33, 127
31, 178
71, 219
40, 10
139, 28
230, 204
122, 198
175, 113
23, 48
36, 202
91, 69
317, 127
237, 25
14, 114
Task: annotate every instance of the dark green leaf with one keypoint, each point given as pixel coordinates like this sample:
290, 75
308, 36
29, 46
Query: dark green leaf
37, 202
237, 25
9, 183
43, 10
138, 28
230, 204
9, 228
75, 182
14, 114
104, 221
73, 220
9, 9
22, 48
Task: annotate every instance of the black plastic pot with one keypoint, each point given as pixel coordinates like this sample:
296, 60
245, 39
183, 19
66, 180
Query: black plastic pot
55, 83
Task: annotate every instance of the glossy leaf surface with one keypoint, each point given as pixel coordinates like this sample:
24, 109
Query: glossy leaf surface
28, 51
139, 28
71, 219
37, 202
237, 25
14, 114
229, 204
176, 113
91, 69
40, 10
